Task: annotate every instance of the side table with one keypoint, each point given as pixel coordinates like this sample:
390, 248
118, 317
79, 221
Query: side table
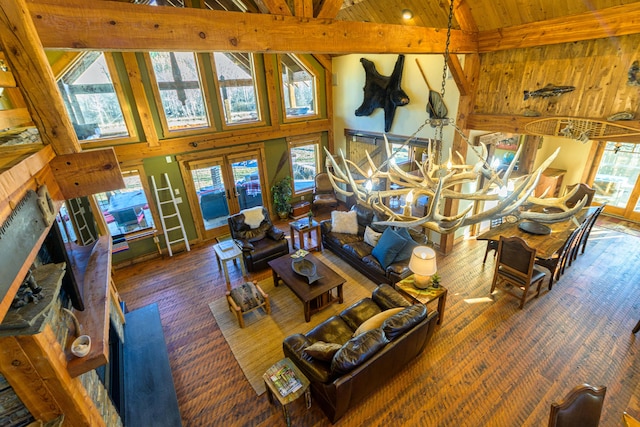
276, 380
303, 229
407, 288
226, 251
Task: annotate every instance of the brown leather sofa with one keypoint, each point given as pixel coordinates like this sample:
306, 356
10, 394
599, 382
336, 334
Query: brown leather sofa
365, 362
259, 245
353, 249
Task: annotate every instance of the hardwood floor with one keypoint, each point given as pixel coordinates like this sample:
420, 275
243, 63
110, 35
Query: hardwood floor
488, 364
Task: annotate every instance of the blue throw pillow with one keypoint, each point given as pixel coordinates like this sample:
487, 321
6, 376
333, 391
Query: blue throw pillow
388, 247
406, 252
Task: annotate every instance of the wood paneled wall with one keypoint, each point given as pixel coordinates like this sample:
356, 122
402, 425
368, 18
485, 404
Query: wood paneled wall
598, 69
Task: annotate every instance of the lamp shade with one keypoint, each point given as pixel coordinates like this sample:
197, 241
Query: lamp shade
423, 261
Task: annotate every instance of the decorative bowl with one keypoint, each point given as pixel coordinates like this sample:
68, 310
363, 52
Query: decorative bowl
81, 346
306, 268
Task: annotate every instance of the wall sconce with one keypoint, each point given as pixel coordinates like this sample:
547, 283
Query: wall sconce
407, 14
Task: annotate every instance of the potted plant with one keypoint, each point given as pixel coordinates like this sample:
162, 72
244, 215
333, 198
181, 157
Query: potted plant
435, 280
281, 193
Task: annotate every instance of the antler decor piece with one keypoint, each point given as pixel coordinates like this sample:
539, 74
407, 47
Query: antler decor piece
440, 182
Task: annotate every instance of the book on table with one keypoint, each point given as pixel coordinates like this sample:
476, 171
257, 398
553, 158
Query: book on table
225, 245
285, 381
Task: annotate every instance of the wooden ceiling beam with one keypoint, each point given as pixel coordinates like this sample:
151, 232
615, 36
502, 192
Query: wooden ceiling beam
303, 8
604, 23
458, 75
328, 9
81, 25
31, 70
464, 17
275, 7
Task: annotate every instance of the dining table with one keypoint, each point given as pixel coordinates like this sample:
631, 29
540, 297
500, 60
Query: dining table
547, 243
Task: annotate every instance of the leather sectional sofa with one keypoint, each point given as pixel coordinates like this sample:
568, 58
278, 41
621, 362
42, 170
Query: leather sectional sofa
363, 363
353, 249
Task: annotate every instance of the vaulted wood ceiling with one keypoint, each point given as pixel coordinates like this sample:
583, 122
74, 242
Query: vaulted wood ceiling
353, 26
486, 14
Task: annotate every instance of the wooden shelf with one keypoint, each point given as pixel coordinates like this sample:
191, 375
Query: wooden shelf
92, 269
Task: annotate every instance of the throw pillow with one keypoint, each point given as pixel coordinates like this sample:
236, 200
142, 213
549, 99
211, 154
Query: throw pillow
404, 320
344, 222
406, 252
389, 244
358, 350
377, 320
323, 350
371, 237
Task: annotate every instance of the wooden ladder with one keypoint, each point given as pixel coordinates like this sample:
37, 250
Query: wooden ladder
169, 214
77, 213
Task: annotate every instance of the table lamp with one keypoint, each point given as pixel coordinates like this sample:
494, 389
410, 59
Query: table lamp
423, 266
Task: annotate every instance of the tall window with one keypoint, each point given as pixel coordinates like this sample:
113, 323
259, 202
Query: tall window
402, 154
127, 210
236, 82
304, 156
179, 87
90, 98
298, 87
617, 179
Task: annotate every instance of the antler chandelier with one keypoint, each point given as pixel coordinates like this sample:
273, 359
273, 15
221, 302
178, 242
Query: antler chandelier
443, 181
440, 182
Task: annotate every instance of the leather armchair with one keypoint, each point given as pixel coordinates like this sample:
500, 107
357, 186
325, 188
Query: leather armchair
324, 196
259, 245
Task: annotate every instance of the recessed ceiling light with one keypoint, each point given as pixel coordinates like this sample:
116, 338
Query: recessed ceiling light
407, 14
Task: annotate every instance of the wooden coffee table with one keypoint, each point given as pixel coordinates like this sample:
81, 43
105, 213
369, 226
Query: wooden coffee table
316, 296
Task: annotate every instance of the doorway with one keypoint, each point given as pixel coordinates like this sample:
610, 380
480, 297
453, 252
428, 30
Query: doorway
223, 185
617, 180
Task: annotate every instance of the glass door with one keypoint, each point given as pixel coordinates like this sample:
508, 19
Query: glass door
617, 182
209, 184
248, 184
221, 186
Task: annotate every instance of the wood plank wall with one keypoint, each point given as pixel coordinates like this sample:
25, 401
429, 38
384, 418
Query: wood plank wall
598, 69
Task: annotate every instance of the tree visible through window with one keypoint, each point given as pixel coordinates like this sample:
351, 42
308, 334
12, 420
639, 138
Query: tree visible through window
235, 72
298, 87
178, 80
304, 165
90, 99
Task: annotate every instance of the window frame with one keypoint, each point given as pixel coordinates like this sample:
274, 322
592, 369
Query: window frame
316, 81
123, 102
206, 99
138, 169
410, 153
300, 141
258, 84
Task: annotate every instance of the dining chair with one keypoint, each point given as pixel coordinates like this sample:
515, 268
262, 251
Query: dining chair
594, 218
492, 245
555, 263
583, 190
580, 408
637, 327
515, 266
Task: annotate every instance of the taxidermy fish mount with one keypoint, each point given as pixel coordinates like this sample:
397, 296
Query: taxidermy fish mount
548, 91
382, 91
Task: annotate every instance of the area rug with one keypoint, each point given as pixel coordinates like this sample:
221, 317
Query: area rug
259, 344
